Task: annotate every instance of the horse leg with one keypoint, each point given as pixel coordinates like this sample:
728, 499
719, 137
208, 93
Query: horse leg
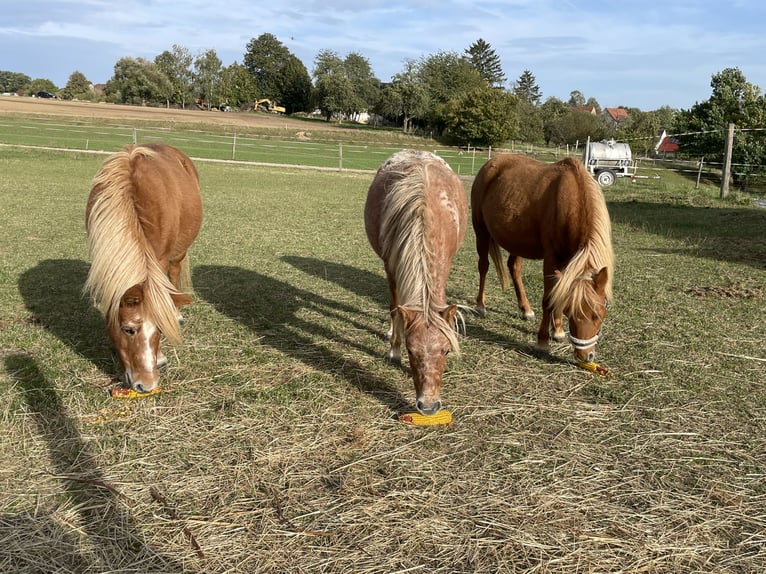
482, 249
393, 336
514, 266
543, 332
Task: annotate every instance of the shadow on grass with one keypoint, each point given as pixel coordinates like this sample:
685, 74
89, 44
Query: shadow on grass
362, 283
36, 543
728, 234
366, 284
52, 292
273, 310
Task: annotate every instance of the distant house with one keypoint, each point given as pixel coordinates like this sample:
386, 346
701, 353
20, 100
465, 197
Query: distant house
615, 115
586, 109
666, 144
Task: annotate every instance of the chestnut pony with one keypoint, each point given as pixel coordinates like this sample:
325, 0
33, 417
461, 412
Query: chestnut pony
416, 217
557, 213
143, 213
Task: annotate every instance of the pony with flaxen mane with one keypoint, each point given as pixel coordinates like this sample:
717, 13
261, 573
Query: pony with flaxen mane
144, 211
556, 213
415, 217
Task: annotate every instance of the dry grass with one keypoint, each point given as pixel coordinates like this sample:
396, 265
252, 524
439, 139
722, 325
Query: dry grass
274, 446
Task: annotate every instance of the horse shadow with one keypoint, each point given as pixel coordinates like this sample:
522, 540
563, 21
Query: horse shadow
358, 281
272, 309
373, 286
52, 292
100, 506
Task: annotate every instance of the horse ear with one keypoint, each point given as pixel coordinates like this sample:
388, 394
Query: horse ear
405, 315
181, 299
449, 313
600, 280
133, 296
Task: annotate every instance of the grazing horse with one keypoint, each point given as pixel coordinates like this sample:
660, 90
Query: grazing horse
416, 217
143, 213
556, 213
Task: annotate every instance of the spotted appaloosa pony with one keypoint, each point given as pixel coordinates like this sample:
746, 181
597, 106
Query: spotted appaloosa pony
557, 213
143, 213
416, 217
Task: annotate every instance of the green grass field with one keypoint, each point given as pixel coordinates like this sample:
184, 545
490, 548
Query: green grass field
274, 445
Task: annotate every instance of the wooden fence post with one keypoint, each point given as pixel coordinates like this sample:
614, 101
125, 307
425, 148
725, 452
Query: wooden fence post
726, 173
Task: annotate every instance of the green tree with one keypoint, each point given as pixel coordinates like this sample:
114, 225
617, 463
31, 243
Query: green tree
13, 81
176, 64
77, 88
41, 85
266, 58
446, 76
576, 99
641, 129
576, 127
345, 87
483, 117
236, 87
334, 90
297, 88
405, 97
486, 62
530, 123
733, 100
207, 77
526, 88
137, 81
551, 112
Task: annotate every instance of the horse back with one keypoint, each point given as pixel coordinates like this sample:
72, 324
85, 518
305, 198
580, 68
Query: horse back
167, 198
531, 208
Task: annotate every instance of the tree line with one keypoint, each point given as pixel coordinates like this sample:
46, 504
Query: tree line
460, 98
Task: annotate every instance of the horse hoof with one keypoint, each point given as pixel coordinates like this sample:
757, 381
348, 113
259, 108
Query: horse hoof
542, 347
529, 316
481, 311
560, 337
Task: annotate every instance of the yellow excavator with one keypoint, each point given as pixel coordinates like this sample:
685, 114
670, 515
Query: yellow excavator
266, 105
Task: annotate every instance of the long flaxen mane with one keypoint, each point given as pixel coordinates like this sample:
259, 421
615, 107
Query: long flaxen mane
574, 289
406, 247
120, 254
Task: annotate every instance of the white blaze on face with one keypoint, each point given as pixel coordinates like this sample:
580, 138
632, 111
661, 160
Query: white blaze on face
146, 359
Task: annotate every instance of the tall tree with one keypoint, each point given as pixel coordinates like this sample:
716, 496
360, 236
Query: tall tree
176, 64
733, 100
207, 77
297, 88
137, 81
483, 117
266, 58
484, 60
77, 87
446, 76
335, 93
405, 97
526, 88
576, 99
345, 87
236, 87
13, 81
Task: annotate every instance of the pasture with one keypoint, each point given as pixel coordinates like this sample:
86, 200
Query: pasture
274, 446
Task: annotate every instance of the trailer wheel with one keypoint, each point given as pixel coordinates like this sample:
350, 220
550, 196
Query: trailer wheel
605, 177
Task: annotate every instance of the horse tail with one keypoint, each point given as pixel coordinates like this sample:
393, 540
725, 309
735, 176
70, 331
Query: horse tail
497, 260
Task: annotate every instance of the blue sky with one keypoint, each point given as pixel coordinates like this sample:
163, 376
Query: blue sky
635, 54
